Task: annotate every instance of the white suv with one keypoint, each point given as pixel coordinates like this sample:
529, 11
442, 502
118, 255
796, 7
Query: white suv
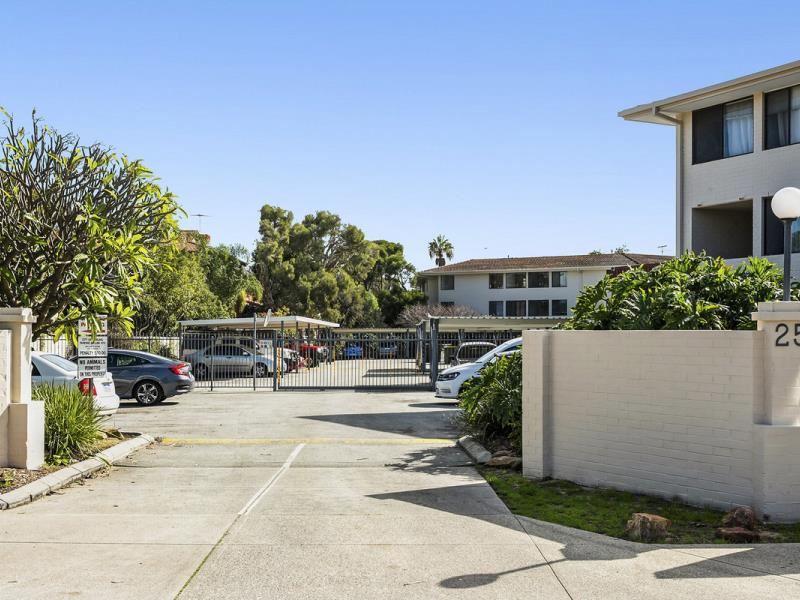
450, 380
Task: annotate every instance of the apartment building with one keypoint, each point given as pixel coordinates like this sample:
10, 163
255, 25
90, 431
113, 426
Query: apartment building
540, 286
737, 143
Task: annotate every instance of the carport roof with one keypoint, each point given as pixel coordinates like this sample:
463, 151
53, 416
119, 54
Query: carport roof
247, 323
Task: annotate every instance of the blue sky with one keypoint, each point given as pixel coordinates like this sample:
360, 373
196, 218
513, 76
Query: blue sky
493, 123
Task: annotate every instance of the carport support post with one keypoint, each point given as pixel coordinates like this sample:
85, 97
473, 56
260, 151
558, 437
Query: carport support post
434, 349
275, 364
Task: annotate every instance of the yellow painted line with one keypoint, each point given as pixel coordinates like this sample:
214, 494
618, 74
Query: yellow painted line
309, 441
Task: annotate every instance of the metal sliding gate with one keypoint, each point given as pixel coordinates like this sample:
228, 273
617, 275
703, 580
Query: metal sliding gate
320, 359
354, 360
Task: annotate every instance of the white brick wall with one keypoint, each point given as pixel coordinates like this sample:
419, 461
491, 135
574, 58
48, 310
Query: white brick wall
667, 413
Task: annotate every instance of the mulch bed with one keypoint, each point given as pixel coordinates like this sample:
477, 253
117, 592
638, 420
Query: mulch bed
12, 478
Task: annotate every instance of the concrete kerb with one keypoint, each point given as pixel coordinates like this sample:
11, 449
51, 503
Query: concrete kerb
474, 449
69, 474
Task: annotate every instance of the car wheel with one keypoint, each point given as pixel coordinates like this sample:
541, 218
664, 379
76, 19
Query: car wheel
201, 371
261, 370
148, 393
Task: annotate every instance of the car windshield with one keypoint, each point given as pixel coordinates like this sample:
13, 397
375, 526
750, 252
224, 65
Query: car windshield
494, 351
60, 362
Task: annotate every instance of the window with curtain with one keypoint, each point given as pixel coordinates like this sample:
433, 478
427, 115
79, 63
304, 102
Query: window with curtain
559, 279
538, 308
515, 308
515, 280
782, 118
496, 308
447, 282
722, 131
539, 280
495, 281
559, 308
739, 127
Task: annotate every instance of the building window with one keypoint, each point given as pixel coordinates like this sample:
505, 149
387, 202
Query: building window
722, 131
772, 239
782, 118
447, 282
515, 280
538, 308
448, 303
515, 308
496, 308
539, 280
495, 281
559, 308
559, 278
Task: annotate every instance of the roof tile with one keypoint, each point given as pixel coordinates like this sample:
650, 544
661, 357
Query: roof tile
549, 262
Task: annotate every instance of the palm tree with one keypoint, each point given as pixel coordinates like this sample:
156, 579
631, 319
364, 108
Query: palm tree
441, 248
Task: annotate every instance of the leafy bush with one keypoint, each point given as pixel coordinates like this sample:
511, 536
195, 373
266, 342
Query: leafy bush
71, 423
492, 402
693, 291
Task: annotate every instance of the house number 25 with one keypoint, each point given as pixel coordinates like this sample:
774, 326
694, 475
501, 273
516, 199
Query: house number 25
782, 329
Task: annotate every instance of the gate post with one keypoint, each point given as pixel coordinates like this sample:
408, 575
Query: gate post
434, 350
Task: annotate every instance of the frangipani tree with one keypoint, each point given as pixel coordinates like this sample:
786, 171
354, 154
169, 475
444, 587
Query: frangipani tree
78, 228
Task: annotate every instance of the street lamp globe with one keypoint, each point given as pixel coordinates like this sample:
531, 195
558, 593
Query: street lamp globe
786, 206
786, 203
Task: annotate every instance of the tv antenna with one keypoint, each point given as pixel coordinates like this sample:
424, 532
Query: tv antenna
661, 247
199, 220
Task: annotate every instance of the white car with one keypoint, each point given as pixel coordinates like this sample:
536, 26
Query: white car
57, 370
450, 380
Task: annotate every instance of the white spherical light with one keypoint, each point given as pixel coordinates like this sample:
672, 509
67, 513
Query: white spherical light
786, 203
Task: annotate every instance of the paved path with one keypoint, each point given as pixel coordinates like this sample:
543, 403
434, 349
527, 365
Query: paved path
334, 495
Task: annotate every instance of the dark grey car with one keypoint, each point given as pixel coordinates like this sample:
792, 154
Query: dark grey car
148, 378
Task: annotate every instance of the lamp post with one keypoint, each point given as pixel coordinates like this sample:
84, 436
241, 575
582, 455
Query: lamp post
786, 206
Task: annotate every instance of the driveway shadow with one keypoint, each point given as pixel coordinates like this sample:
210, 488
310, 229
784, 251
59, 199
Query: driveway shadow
476, 499
428, 424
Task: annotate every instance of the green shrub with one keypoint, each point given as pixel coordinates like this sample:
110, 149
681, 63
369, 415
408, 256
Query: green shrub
492, 402
692, 291
71, 423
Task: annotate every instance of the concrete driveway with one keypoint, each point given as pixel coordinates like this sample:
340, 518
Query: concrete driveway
333, 495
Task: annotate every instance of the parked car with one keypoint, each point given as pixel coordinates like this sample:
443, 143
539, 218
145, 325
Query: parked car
449, 381
47, 368
353, 350
194, 342
313, 354
229, 360
470, 352
387, 350
149, 378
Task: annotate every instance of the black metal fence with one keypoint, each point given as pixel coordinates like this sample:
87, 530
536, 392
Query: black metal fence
270, 359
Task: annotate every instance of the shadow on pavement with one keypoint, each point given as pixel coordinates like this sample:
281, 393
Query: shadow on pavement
476, 499
430, 424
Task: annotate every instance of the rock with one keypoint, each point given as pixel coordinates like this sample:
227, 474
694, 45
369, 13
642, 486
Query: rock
503, 453
769, 536
644, 527
741, 516
738, 535
503, 462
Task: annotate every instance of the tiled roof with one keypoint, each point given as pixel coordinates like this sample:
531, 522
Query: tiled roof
549, 262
